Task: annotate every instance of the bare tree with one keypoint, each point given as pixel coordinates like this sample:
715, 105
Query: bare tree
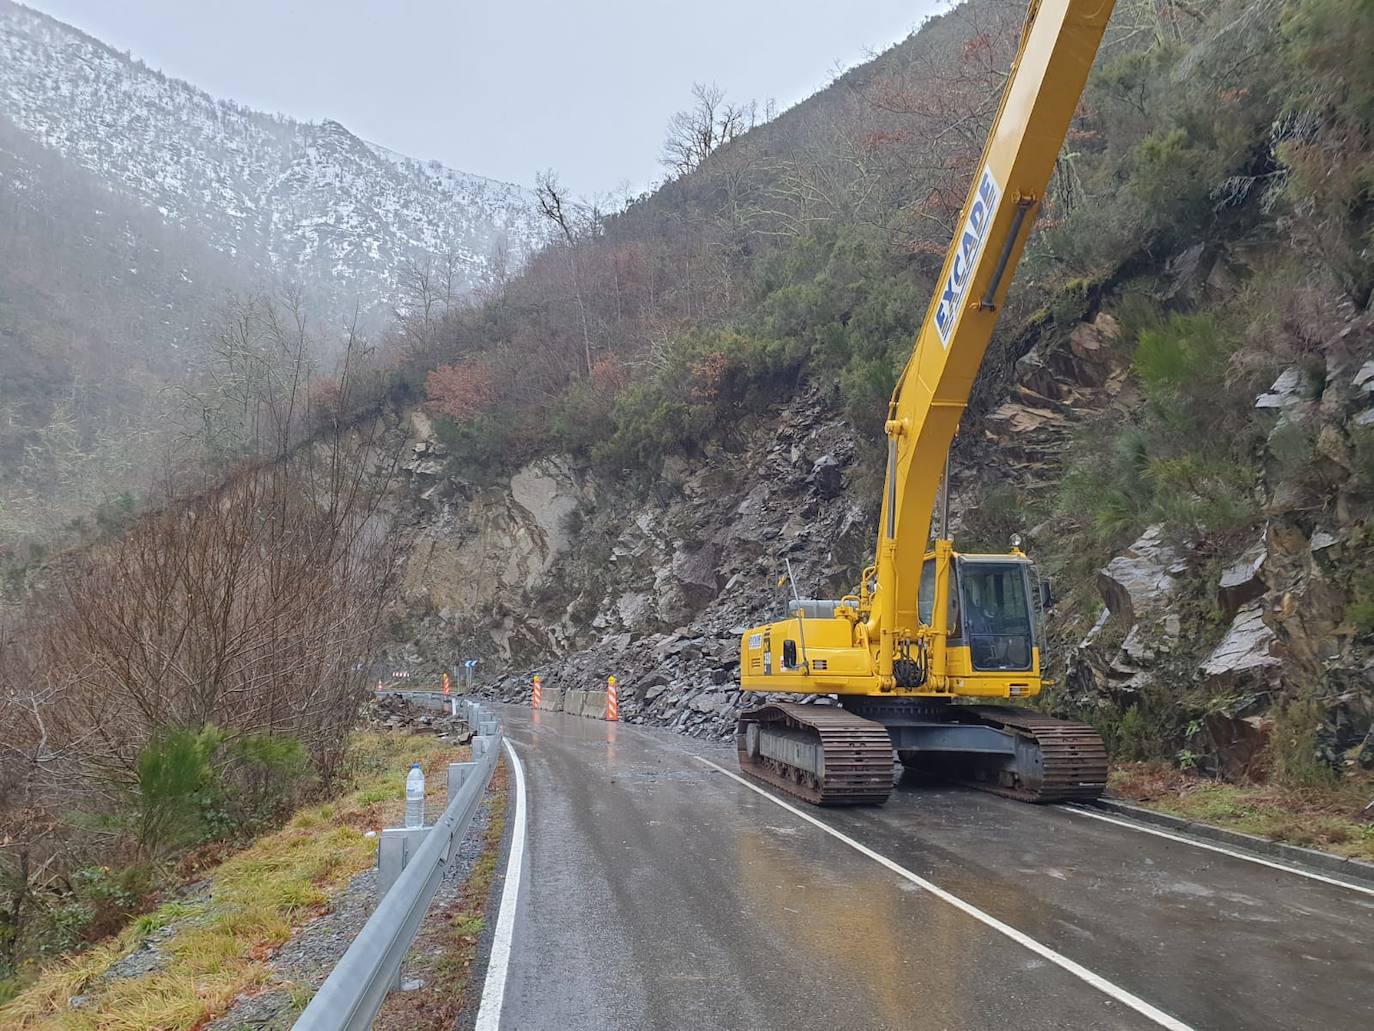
251, 606
710, 123
556, 206
252, 399
499, 270
431, 287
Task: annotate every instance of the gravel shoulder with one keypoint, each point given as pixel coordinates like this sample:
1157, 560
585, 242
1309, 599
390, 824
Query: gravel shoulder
300, 965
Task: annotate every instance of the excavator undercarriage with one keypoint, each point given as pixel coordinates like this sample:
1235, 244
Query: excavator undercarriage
843, 755
820, 753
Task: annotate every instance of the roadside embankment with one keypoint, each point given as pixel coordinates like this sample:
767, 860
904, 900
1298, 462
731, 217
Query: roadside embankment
1332, 820
224, 936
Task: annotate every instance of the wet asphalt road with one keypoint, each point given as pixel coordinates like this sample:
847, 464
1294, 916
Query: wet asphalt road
660, 893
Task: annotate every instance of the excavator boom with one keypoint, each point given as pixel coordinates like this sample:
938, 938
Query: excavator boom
1058, 45
928, 625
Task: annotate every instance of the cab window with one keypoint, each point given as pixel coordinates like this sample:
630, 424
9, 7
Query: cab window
996, 613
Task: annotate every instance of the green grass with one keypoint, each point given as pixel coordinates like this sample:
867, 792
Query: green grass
1327, 818
256, 898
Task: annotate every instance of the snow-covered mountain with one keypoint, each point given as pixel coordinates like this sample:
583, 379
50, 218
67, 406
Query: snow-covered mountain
306, 203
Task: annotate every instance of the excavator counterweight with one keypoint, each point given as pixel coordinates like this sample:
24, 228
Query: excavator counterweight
929, 626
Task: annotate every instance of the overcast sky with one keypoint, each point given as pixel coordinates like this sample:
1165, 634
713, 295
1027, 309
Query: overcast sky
501, 88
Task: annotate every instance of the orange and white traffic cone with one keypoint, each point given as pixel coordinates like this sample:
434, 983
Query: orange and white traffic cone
612, 700
535, 697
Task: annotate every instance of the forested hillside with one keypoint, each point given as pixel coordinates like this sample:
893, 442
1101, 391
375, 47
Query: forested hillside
808, 245
102, 309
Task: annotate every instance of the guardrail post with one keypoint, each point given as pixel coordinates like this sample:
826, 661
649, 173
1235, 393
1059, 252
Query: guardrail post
394, 849
457, 774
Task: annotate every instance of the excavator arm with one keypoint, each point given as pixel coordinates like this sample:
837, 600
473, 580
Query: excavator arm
1058, 44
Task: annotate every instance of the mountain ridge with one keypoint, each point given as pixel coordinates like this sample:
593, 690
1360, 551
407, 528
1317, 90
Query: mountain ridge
304, 202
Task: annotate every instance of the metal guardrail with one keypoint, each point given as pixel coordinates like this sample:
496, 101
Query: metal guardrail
353, 993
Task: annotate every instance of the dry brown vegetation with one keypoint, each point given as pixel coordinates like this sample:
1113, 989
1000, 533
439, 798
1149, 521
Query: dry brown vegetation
192, 676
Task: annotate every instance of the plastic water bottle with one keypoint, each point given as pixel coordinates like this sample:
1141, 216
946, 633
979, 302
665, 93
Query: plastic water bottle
415, 796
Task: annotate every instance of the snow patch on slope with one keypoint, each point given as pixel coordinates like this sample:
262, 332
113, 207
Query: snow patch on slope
308, 203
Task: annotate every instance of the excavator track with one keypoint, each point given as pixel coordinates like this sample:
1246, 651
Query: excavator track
1072, 761
856, 765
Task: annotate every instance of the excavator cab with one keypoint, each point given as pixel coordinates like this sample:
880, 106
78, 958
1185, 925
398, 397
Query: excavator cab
993, 614
980, 614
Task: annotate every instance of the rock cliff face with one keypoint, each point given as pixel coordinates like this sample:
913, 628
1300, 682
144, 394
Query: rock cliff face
564, 572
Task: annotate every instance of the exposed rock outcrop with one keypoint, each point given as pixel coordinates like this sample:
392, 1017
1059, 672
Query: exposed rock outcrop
481, 555
1284, 601
1242, 581
577, 577
1056, 389
1246, 651
1287, 390
1141, 582
1235, 740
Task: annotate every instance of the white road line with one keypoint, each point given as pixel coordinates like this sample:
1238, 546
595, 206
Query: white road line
1217, 848
494, 990
1044, 951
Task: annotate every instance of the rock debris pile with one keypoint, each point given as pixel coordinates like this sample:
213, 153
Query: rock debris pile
390, 711
654, 590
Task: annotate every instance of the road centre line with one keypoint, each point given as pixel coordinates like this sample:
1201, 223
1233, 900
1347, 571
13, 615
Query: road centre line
1097, 981
1311, 875
498, 965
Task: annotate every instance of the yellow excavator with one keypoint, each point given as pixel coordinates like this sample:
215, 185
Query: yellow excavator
928, 625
